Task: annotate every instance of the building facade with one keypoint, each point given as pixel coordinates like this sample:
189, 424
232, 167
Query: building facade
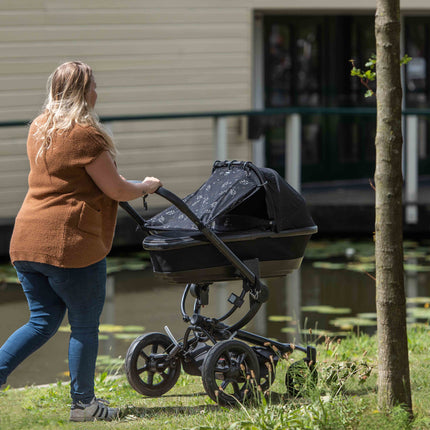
190, 56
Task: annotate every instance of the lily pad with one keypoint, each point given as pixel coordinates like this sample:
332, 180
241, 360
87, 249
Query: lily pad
361, 267
324, 309
291, 330
367, 315
280, 318
350, 323
135, 262
418, 300
126, 336
419, 313
328, 265
416, 268
111, 328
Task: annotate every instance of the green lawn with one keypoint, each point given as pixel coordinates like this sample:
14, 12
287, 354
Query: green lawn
345, 397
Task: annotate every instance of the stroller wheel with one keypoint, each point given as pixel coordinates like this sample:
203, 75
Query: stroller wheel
301, 378
231, 372
149, 369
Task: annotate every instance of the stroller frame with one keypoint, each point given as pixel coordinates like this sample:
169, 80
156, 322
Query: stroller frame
231, 370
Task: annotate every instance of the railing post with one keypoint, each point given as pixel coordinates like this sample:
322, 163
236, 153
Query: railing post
220, 138
258, 145
411, 177
293, 146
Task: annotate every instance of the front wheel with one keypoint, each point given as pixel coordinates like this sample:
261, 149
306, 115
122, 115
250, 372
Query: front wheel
150, 370
231, 372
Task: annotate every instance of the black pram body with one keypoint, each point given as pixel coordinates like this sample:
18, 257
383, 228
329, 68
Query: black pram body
255, 213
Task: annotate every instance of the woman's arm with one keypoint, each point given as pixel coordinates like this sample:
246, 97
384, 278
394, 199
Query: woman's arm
105, 175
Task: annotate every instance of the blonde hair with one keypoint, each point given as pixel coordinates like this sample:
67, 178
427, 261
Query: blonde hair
66, 105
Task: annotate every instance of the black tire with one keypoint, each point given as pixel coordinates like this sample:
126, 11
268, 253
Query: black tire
301, 379
231, 372
149, 370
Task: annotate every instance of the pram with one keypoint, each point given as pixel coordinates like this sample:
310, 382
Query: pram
243, 223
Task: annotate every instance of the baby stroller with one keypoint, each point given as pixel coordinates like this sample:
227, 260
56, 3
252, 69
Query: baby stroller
243, 223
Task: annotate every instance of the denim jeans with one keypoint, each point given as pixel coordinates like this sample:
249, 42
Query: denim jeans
50, 290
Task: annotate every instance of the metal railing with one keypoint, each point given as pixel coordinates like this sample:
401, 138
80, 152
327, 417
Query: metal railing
293, 126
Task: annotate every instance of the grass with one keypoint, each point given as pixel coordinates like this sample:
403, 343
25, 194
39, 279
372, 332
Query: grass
345, 397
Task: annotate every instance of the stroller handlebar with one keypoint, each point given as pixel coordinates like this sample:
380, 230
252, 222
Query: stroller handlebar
261, 289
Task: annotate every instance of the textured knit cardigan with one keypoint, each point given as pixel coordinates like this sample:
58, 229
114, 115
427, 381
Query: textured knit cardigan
65, 219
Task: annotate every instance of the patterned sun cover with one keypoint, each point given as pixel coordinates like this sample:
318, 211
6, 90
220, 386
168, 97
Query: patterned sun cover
230, 185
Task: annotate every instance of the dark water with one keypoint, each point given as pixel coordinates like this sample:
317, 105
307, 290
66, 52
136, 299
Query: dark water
325, 300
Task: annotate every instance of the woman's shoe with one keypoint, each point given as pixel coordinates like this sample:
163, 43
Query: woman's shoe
97, 409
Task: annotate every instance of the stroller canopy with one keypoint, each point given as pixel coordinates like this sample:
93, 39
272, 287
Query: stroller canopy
239, 196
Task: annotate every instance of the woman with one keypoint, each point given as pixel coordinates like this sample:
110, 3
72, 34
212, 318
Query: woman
64, 231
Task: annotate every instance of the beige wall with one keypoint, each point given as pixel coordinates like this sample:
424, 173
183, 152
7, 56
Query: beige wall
149, 56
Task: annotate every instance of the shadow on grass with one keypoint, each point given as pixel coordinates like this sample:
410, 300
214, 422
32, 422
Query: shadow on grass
182, 395
145, 412
149, 412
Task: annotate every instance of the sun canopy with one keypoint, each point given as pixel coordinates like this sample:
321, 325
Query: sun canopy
239, 196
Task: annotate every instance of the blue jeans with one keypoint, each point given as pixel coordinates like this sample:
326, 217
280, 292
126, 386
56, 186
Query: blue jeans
50, 290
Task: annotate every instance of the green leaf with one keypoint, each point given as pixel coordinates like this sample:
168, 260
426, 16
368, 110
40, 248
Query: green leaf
322, 309
405, 59
280, 318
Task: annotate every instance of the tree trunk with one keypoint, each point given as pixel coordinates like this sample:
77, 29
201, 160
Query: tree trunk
393, 363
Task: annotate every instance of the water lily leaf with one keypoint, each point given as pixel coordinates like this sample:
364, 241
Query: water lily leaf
280, 318
420, 313
111, 328
328, 265
133, 328
323, 309
8, 274
126, 336
350, 323
288, 330
361, 267
117, 264
418, 300
9, 279
367, 315
416, 268
321, 332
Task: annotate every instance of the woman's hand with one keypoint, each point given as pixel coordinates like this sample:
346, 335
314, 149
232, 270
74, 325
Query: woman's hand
151, 184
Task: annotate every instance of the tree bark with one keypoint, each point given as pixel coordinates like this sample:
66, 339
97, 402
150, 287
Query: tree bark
393, 363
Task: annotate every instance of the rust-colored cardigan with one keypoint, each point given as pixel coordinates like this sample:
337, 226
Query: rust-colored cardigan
65, 219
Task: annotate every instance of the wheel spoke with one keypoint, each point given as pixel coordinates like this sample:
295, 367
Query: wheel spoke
222, 369
142, 369
143, 355
225, 384
227, 357
236, 388
164, 375
240, 358
150, 378
154, 348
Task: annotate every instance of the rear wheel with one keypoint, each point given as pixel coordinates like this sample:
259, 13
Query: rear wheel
231, 372
301, 378
149, 369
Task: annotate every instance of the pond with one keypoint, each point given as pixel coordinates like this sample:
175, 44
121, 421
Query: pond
332, 294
